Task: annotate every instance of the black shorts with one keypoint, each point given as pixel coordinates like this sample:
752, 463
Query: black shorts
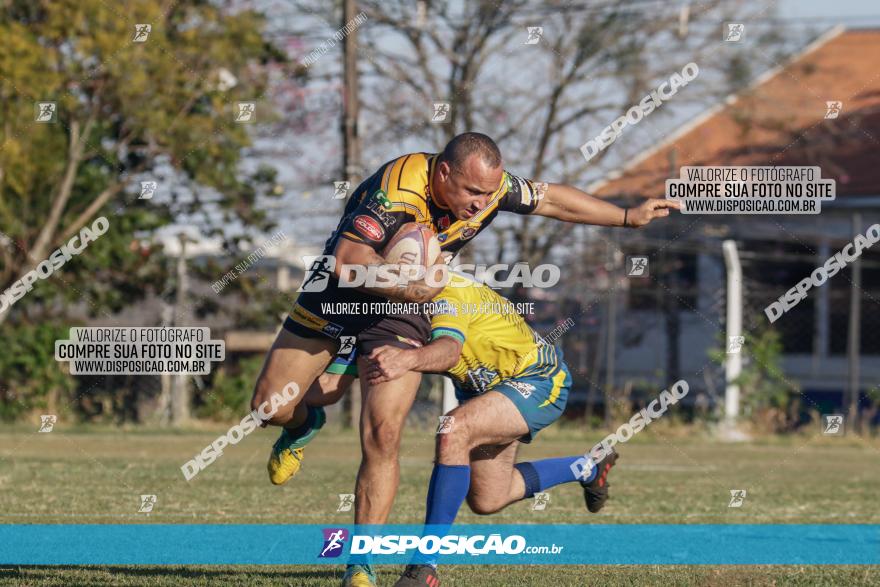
403, 330
399, 330
408, 330
309, 319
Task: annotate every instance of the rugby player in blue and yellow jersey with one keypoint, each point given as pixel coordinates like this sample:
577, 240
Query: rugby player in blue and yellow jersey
457, 193
511, 385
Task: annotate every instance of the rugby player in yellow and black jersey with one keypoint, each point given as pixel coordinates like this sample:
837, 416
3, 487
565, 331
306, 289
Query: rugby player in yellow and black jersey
457, 192
399, 193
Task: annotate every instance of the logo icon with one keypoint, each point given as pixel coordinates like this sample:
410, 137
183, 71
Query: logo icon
320, 269
637, 266
541, 501
47, 423
833, 108
147, 503
45, 112
346, 501
141, 32
245, 111
535, 35
340, 189
346, 345
737, 498
446, 423
441, 112
734, 344
334, 539
148, 188
832, 424
382, 197
443, 223
734, 32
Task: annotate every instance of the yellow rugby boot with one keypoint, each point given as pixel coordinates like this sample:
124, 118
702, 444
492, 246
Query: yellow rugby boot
284, 463
359, 576
286, 457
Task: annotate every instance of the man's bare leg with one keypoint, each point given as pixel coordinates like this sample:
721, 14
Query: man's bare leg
293, 362
292, 359
476, 460
495, 483
383, 414
328, 389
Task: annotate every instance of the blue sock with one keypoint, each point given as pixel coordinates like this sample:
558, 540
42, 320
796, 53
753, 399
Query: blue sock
446, 492
541, 475
366, 559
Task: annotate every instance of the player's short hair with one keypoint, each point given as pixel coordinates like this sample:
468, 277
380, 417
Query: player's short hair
468, 143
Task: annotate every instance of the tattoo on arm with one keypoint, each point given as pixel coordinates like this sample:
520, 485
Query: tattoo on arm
417, 292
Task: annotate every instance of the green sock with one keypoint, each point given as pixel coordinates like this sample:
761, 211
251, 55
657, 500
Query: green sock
303, 434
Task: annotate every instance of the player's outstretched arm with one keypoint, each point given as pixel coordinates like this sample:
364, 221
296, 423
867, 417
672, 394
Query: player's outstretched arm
351, 253
570, 204
388, 362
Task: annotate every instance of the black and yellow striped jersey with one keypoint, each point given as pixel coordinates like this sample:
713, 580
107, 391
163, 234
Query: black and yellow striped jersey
399, 192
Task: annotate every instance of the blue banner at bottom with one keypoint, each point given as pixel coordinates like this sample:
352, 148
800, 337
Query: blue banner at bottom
254, 544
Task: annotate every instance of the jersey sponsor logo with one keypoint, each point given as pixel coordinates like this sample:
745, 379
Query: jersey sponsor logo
480, 378
524, 389
443, 223
382, 197
468, 232
376, 206
369, 228
315, 322
332, 330
442, 237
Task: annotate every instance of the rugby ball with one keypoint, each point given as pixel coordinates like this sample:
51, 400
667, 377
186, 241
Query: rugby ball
414, 244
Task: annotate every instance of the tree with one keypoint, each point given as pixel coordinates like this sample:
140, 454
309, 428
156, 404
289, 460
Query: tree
130, 104
539, 101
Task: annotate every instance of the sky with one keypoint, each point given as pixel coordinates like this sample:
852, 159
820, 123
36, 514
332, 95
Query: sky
848, 12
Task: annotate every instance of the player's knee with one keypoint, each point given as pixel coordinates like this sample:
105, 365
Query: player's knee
283, 406
454, 441
381, 440
483, 505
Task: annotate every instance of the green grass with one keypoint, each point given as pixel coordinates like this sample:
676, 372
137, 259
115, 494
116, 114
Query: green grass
665, 476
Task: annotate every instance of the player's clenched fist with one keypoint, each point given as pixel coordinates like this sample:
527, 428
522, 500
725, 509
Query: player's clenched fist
648, 211
387, 363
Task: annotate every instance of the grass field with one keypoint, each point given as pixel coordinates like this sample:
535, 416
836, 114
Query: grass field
73, 476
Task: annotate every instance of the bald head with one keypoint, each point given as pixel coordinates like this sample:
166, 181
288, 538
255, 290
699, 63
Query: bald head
468, 173
459, 149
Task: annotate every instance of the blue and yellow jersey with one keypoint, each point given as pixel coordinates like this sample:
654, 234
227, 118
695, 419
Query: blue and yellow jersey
399, 192
497, 344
